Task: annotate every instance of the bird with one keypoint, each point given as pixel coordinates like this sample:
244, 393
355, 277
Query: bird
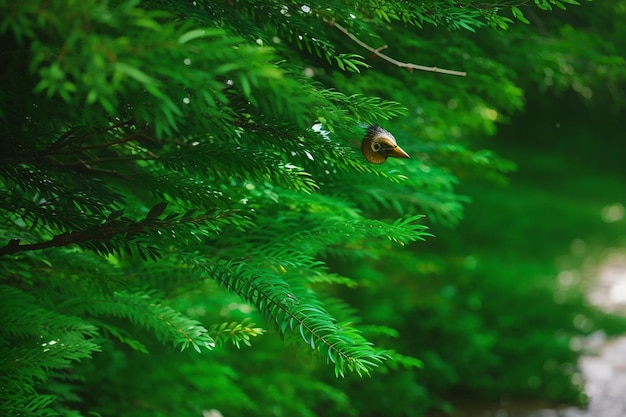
379, 144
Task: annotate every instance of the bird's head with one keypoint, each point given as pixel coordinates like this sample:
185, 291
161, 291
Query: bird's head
378, 144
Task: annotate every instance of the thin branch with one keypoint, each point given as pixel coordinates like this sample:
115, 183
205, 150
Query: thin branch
60, 145
273, 304
65, 138
82, 148
105, 231
409, 66
98, 161
61, 141
381, 48
88, 168
119, 124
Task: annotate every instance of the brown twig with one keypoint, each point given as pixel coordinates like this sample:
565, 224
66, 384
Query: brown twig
82, 148
409, 66
105, 231
83, 166
66, 138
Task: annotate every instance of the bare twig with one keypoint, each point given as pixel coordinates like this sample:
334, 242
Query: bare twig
380, 48
409, 66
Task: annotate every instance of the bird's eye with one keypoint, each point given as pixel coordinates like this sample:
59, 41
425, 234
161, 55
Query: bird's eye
376, 146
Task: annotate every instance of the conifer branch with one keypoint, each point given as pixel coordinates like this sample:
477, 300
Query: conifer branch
106, 231
67, 137
407, 65
83, 166
168, 324
295, 310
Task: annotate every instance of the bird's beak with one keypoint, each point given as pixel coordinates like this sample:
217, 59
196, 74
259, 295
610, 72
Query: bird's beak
397, 152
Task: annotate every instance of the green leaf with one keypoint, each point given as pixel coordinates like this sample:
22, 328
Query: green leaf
199, 33
157, 210
134, 73
517, 13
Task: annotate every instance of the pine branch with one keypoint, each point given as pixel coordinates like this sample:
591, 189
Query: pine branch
144, 309
246, 163
110, 229
77, 136
34, 341
36, 405
295, 310
237, 333
25, 318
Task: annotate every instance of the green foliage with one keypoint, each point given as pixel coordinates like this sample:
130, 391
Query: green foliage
238, 333
177, 171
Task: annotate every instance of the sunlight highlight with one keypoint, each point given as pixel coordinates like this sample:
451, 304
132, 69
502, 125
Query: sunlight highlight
613, 212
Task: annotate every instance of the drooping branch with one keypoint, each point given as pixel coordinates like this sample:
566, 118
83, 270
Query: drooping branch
312, 322
407, 65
